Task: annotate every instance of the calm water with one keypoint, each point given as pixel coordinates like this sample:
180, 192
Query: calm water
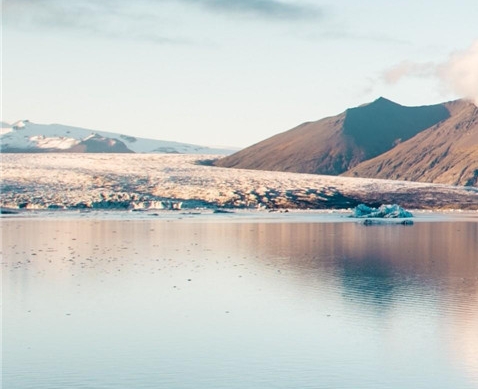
210, 304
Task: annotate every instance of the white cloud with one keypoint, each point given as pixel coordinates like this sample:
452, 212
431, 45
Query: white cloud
408, 68
458, 74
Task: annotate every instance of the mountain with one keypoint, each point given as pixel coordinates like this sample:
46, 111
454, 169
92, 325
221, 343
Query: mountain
27, 137
336, 144
444, 153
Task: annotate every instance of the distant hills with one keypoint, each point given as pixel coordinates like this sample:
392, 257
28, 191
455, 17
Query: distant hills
27, 137
435, 143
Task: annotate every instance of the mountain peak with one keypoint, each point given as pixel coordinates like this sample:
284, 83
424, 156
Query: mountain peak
376, 127
20, 124
334, 145
377, 103
382, 100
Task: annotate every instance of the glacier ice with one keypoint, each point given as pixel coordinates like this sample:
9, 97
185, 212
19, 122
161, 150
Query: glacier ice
384, 211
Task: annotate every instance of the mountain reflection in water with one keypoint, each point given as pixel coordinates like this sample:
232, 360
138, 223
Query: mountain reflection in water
182, 304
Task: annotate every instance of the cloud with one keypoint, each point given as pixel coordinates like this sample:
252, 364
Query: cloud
106, 18
408, 69
145, 20
458, 74
269, 9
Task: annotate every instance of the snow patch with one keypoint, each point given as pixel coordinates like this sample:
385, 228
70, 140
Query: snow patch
20, 124
60, 143
5, 129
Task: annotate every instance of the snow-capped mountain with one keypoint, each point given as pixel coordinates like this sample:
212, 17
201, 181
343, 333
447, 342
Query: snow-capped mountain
27, 137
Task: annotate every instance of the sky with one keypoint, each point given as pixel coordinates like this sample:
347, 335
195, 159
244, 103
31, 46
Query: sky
225, 72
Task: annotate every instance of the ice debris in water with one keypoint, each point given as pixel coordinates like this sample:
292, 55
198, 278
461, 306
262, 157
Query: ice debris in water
384, 211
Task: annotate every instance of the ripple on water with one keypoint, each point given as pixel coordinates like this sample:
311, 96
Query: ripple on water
150, 303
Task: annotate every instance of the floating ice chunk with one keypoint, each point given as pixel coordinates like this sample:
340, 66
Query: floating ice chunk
384, 211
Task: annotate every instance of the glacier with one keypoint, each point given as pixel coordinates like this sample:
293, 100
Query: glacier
171, 181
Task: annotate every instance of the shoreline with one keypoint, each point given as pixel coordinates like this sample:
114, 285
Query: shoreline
240, 215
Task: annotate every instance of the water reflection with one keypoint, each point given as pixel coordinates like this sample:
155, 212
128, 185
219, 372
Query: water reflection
429, 269
199, 303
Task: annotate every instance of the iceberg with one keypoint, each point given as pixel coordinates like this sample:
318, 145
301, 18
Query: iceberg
384, 211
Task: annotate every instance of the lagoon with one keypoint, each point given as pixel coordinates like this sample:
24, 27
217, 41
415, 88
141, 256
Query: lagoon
229, 302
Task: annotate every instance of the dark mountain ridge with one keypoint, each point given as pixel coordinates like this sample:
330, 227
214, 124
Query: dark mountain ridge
335, 144
445, 153
379, 126
381, 139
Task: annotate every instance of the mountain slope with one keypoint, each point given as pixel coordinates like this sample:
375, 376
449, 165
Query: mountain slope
334, 145
27, 137
445, 153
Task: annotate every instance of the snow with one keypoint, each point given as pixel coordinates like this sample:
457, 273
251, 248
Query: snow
26, 135
91, 136
60, 143
149, 181
5, 130
20, 124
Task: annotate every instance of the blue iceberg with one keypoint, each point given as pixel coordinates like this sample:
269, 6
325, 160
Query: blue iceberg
384, 211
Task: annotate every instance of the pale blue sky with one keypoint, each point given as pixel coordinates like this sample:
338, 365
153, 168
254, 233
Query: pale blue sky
223, 72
